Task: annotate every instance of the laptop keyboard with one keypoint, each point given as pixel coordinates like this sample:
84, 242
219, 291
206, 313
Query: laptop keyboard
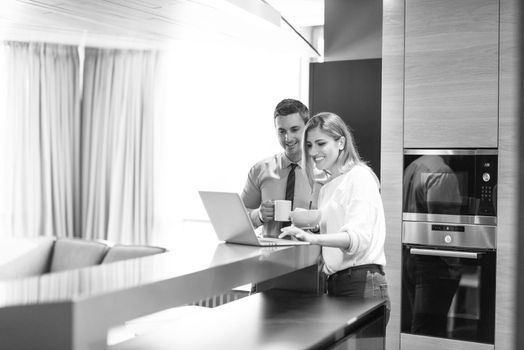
267, 241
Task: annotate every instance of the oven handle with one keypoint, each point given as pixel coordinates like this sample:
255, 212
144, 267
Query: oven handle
447, 253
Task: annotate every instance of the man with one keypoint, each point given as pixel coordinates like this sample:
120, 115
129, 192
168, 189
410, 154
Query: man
270, 178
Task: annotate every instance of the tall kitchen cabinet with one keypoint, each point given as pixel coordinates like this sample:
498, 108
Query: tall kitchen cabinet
416, 112
451, 73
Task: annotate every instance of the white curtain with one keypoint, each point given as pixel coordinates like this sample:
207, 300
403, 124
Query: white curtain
117, 148
39, 126
76, 156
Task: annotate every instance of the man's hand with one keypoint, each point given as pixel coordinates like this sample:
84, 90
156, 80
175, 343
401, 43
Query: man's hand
266, 211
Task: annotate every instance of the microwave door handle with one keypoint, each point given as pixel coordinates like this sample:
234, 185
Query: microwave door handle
446, 253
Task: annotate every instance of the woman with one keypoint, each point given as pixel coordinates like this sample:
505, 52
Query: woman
352, 227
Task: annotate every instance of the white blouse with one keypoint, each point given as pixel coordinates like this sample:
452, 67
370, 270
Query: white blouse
351, 203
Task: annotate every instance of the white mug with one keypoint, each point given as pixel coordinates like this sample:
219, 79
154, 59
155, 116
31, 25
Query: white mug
282, 210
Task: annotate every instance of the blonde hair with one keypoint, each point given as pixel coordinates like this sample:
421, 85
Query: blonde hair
335, 127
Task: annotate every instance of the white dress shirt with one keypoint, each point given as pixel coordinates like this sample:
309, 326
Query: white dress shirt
267, 180
351, 203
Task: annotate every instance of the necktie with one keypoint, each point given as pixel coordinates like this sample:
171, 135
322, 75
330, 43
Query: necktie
290, 188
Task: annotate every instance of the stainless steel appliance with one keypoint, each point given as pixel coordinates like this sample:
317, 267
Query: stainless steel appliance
451, 185
449, 249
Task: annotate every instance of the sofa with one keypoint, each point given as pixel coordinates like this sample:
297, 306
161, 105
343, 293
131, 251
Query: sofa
25, 257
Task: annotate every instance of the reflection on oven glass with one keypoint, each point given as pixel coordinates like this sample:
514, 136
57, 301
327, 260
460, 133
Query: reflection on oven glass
464, 311
431, 186
450, 183
431, 283
449, 297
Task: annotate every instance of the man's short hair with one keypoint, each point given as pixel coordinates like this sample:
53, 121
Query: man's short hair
290, 106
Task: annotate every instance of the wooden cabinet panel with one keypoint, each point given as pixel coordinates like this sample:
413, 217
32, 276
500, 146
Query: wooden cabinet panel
507, 295
451, 73
391, 155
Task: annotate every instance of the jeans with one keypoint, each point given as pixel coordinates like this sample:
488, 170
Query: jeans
360, 283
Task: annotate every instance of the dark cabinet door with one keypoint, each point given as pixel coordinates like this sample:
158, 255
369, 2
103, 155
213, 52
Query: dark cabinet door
351, 89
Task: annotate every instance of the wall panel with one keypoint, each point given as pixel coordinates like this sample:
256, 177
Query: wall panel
508, 176
391, 154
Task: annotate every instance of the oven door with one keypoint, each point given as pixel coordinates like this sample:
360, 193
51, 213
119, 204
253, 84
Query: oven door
448, 293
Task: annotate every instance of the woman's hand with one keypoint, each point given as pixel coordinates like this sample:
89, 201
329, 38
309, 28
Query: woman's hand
301, 235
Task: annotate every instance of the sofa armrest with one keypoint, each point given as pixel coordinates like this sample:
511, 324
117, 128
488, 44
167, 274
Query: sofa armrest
25, 257
122, 252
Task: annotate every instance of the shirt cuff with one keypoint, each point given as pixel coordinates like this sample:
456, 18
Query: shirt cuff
255, 218
353, 242
259, 214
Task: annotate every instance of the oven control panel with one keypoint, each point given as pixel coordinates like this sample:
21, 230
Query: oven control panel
449, 235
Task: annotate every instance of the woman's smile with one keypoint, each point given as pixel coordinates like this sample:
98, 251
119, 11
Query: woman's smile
318, 159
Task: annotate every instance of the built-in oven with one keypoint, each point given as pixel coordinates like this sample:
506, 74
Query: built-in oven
449, 249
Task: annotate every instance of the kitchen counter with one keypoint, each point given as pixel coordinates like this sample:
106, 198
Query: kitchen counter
74, 309
274, 319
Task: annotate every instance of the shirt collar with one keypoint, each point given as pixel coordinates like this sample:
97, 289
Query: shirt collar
286, 162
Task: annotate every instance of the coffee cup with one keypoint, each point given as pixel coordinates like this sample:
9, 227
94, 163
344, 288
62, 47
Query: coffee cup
304, 218
282, 210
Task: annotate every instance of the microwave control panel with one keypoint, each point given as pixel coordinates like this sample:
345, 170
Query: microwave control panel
486, 178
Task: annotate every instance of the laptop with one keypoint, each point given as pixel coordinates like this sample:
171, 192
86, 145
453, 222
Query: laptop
231, 221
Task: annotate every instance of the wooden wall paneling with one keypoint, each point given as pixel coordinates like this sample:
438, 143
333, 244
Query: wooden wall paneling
519, 341
508, 176
391, 154
451, 73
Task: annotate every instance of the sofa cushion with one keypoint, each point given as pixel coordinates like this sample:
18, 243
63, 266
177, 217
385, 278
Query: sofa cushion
123, 252
71, 253
25, 257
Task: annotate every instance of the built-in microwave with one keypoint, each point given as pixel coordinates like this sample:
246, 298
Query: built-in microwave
450, 185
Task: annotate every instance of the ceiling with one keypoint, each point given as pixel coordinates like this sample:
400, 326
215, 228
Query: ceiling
300, 13
157, 23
